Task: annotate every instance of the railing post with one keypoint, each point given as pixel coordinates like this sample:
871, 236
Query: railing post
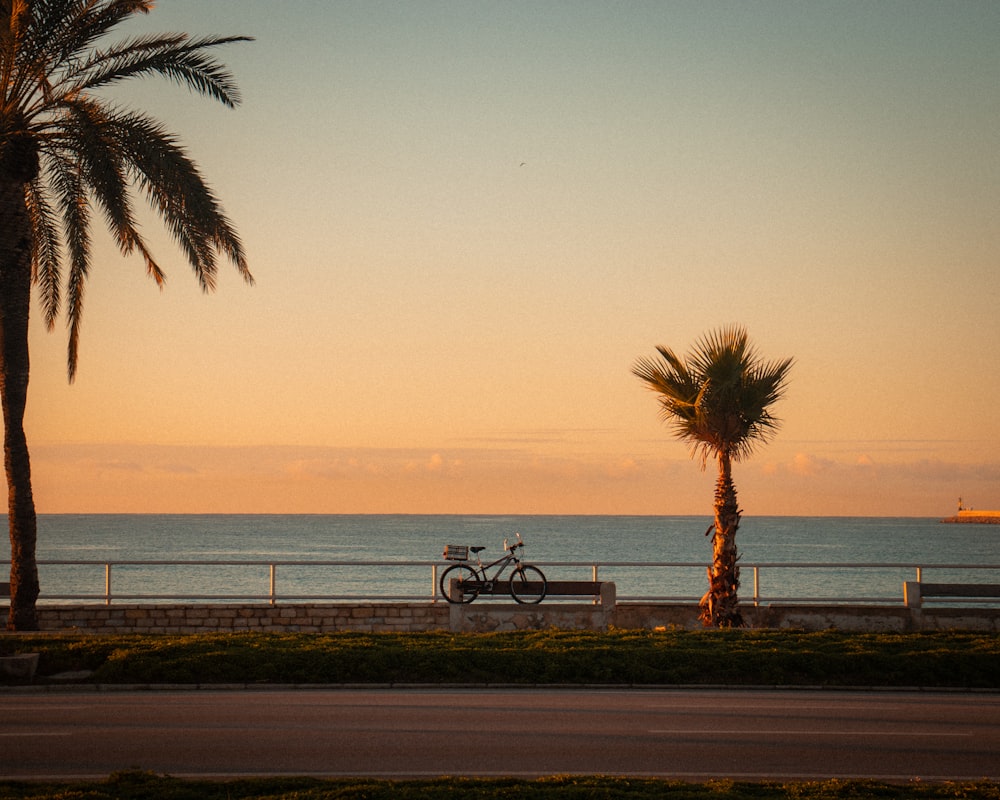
434, 582
272, 569
756, 585
920, 574
107, 583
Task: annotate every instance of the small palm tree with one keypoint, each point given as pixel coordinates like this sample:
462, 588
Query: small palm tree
718, 399
63, 152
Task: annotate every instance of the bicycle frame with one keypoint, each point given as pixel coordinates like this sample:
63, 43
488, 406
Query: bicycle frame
504, 561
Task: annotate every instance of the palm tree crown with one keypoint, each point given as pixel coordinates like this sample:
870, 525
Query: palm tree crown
719, 398
74, 151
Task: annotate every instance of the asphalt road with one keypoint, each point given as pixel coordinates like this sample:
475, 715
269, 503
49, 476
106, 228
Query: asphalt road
392, 733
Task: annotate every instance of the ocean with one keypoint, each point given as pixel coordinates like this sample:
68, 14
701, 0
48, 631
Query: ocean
390, 556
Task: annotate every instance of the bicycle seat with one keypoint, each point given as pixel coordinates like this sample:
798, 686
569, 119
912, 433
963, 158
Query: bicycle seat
477, 549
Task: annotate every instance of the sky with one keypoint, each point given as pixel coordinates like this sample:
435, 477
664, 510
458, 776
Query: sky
467, 220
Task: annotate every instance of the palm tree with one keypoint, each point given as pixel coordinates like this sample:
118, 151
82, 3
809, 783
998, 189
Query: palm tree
63, 152
718, 400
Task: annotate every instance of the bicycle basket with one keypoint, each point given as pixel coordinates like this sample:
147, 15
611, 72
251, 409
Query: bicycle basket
456, 552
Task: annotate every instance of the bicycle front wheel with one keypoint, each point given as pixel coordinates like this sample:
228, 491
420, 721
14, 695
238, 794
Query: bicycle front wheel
460, 572
527, 584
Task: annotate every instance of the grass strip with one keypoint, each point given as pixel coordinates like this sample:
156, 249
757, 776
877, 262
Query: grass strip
145, 785
959, 660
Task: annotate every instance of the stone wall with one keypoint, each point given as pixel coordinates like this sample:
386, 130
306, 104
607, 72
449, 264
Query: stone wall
487, 616
211, 617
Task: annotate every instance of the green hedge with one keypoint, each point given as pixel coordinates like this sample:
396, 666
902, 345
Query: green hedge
144, 786
673, 657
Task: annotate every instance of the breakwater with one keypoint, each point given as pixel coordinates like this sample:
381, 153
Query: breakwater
973, 517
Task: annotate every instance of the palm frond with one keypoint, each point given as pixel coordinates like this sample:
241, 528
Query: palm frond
77, 25
86, 133
71, 196
13, 30
45, 255
173, 56
57, 32
175, 188
104, 165
97, 68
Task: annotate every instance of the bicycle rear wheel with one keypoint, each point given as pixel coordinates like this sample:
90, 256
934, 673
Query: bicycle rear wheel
460, 572
527, 584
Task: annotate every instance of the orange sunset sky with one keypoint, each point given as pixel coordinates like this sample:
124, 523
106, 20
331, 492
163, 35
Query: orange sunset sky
468, 219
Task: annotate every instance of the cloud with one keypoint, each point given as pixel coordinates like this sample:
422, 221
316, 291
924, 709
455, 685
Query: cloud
809, 465
308, 479
623, 468
538, 436
119, 466
331, 468
936, 470
178, 469
928, 470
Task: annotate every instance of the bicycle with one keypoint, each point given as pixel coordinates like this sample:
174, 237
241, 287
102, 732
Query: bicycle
527, 583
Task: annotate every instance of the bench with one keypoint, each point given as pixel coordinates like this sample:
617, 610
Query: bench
915, 591
598, 590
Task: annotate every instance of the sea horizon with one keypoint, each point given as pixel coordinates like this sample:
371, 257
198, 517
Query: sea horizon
466, 514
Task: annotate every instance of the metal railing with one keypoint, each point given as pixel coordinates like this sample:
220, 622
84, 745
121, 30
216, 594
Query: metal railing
373, 590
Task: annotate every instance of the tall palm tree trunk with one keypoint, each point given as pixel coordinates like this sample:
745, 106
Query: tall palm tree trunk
720, 606
15, 302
